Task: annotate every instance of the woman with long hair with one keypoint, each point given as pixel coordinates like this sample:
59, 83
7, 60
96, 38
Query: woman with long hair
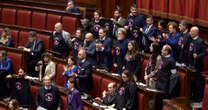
133, 61
14, 105
153, 65
74, 101
127, 93
5, 38
69, 69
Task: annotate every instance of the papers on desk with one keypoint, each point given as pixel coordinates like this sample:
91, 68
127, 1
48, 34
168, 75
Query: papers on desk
84, 96
141, 84
153, 90
115, 74
103, 106
41, 108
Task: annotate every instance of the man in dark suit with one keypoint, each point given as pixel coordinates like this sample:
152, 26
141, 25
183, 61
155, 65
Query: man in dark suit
35, 47
196, 53
118, 21
166, 69
182, 45
134, 21
121, 48
104, 49
71, 8
84, 72
90, 48
149, 32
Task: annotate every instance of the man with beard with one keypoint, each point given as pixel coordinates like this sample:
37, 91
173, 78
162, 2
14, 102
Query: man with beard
120, 49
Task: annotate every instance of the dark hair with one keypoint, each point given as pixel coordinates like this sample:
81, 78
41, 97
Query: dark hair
128, 74
46, 54
155, 54
168, 48
32, 34
22, 68
151, 17
73, 59
134, 51
3, 52
163, 24
98, 11
119, 10
134, 5
174, 24
15, 103
102, 28
71, 1
74, 81
184, 23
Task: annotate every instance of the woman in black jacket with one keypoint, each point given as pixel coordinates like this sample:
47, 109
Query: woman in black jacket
133, 61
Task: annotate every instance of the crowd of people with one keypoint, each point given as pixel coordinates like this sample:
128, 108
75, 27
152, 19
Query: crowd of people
107, 43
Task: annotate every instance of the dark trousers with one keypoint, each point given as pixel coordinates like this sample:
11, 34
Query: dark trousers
4, 92
198, 88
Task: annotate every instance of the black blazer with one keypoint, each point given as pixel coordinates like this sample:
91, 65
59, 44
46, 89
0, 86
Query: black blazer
84, 72
105, 56
36, 50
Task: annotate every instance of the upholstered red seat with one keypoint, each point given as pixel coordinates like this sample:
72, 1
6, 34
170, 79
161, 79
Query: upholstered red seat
39, 20
205, 65
60, 80
15, 37
24, 18
52, 20
1, 31
85, 107
64, 104
144, 64
205, 98
166, 108
140, 97
9, 16
104, 85
23, 38
96, 85
17, 60
182, 80
46, 40
34, 91
69, 24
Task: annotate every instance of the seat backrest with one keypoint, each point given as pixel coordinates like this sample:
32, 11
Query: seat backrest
9, 16
34, 91
97, 79
46, 40
144, 64
140, 97
64, 104
52, 19
1, 31
69, 24
60, 80
17, 60
23, 38
15, 37
182, 84
104, 84
205, 64
205, 98
39, 20
24, 18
